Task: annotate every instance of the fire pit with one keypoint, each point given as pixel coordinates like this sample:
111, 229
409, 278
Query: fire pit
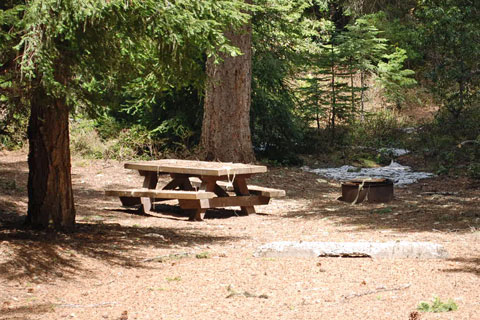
367, 189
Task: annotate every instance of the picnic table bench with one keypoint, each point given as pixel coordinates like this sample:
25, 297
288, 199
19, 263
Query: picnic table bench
197, 185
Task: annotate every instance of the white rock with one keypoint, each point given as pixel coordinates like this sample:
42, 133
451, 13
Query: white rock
390, 250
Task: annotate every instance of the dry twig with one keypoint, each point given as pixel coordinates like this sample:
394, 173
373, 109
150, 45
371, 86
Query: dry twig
377, 290
93, 305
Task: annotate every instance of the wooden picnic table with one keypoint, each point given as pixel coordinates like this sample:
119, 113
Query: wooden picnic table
197, 185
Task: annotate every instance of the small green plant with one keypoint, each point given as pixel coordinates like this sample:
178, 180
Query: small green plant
438, 306
202, 255
177, 278
156, 289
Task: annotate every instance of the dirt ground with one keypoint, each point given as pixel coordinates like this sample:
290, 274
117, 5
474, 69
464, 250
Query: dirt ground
122, 265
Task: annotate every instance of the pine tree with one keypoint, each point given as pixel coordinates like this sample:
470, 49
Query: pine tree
363, 49
393, 78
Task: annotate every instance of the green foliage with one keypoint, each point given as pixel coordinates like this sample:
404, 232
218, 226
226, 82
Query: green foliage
330, 94
362, 48
450, 32
400, 28
84, 139
173, 122
134, 142
281, 40
13, 111
438, 306
440, 142
393, 78
326, 94
381, 129
87, 142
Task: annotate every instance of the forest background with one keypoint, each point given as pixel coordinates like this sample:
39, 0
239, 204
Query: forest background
337, 80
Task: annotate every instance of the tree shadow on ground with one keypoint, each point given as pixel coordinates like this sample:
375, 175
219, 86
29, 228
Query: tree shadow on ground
176, 212
39, 255
13, 176
21, 312
10, 213
414, 209
469, 265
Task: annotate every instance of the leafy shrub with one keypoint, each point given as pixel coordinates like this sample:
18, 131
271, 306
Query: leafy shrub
441, 141
135, 142
85, 140
171, 123
438, 306
381, 129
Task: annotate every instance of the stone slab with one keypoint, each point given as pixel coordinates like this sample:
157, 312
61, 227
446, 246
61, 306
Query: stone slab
385, 250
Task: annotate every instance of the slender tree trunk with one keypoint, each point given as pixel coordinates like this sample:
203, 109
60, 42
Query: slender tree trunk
226, 121
352, 88
362, 96
334, 97
49, 181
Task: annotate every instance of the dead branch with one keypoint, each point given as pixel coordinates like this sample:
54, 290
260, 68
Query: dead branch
94, 305
377, 290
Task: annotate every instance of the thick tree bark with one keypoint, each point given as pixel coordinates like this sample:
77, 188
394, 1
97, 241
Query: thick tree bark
50, 191
226, 122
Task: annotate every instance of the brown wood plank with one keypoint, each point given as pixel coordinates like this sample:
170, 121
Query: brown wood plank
222, 202
164, 194
253, 189
267, 192
238, 201
196, 167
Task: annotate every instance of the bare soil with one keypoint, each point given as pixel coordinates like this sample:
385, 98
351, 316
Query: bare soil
122, 265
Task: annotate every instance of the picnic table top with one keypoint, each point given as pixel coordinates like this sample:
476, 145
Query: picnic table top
194, 167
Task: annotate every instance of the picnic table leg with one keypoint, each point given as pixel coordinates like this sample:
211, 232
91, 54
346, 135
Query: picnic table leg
183, 182
241, 189
208, 185
195, 214
150, 182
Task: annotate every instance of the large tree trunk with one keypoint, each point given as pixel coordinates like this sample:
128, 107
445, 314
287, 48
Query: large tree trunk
50, 191
226, 121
